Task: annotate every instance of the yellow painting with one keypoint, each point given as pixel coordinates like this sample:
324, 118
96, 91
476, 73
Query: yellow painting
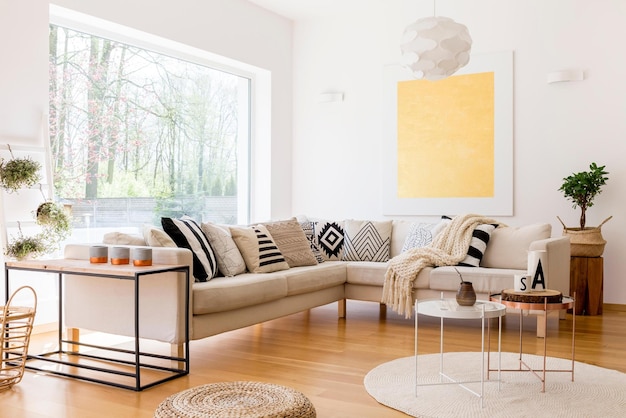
445, 134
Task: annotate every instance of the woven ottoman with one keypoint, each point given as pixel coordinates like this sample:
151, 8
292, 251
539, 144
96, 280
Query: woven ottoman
237, 399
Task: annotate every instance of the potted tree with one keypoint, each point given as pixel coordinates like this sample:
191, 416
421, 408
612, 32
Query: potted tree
581, 189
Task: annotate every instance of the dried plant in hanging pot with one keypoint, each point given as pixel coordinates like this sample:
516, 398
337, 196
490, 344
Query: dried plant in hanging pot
53, 218
18, 173
24, 247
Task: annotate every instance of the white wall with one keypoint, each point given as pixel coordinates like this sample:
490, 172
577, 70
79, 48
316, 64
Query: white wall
558, 128
23, 68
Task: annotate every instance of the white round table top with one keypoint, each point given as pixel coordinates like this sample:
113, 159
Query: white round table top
449, 308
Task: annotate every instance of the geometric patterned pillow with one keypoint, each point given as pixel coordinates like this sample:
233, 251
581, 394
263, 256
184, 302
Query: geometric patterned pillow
329, 239
478, 245
186, 233
307, 227
419, 235
292, 242
366, 240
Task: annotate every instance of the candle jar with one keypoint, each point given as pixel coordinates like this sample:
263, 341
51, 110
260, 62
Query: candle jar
120, 255
98, 254
142, 256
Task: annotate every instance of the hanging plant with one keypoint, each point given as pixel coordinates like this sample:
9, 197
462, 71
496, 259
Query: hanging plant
53, 218
18, 173
25, 247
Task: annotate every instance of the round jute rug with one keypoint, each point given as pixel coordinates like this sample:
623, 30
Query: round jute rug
237, 399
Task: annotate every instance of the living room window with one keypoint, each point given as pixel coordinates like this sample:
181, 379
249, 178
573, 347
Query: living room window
138, 133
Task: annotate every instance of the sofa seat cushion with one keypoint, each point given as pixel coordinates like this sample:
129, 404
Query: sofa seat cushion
484, 280
370, 273
310, 279
228, 293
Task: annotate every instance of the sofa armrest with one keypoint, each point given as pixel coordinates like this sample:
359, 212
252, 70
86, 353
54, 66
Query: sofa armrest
106, 305
558, 271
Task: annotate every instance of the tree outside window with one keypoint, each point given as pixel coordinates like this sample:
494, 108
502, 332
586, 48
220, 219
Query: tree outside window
136, 135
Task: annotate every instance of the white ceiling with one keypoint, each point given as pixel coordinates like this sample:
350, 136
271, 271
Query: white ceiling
304, 9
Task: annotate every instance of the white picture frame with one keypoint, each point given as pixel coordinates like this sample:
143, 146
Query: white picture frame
501, 203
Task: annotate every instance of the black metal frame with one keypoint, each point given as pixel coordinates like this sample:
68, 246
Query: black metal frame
176, 372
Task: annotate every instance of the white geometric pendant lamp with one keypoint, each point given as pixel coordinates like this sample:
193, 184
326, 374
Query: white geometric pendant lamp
435, 47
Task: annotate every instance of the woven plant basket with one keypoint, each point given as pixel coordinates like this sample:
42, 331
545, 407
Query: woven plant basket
586, 242
17, 324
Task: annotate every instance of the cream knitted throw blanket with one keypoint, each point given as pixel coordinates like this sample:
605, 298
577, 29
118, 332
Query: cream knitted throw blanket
447, 249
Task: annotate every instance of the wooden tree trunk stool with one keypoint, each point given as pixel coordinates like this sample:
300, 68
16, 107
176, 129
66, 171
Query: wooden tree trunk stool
586, 280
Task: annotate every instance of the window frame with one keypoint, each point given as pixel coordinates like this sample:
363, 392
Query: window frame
119, 33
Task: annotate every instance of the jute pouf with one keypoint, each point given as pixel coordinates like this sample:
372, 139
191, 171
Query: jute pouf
237, 399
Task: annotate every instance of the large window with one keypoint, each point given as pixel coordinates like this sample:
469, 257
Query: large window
137, 134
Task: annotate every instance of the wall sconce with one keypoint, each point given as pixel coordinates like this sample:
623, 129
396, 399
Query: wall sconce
566, 75
331, 97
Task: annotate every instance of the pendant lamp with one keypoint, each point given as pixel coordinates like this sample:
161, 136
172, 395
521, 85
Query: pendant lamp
435, 47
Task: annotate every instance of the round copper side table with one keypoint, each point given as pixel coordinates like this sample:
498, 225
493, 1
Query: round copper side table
566, 303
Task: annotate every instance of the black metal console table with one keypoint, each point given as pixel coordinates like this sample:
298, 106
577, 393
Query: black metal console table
115, 366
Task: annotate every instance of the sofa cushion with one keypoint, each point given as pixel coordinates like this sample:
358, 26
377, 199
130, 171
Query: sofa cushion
508, 246
484, 280
229, 259
369, 273
366, 240
292, 242
307, 227
329, 237
478, 245
313, 278
156, 237
186, 233
228, 293
258, 249
121, 238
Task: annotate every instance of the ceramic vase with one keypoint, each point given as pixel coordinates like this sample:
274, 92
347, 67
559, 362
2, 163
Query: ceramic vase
466, 296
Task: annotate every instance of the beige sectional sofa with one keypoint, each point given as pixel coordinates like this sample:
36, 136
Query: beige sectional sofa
222, 304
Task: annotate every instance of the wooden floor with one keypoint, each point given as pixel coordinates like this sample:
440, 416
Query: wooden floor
316, 353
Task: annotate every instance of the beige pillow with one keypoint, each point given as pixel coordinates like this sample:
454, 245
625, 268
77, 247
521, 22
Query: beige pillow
258, 249
229, 259
156, 237
120, 238
508, 246
292, 242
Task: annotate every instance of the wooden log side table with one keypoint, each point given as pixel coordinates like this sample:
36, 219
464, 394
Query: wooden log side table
586, 281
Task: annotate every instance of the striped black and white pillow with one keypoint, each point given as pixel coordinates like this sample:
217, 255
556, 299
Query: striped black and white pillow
258, 249
478, 245
186, 233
